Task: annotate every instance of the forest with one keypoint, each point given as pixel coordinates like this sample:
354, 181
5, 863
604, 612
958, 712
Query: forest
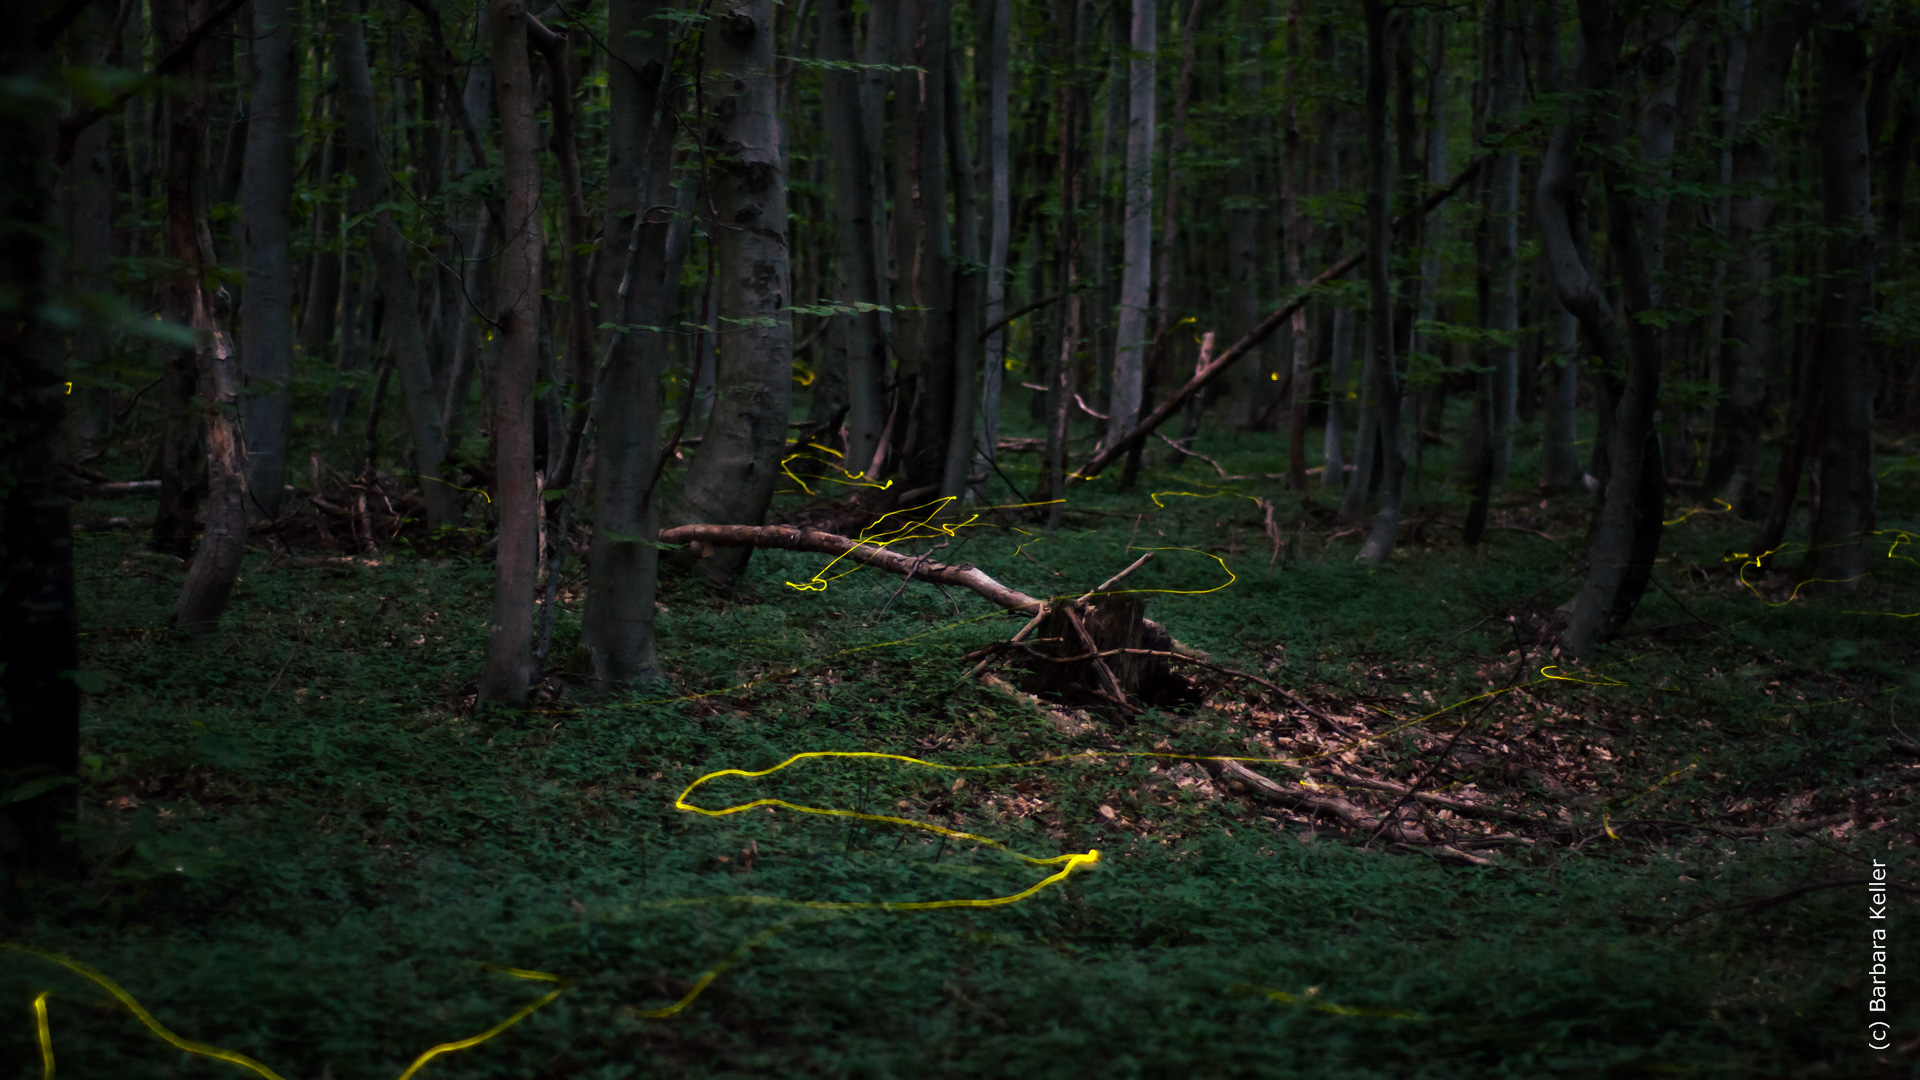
963, 538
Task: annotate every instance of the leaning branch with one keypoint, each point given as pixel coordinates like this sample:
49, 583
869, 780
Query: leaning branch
1254, 337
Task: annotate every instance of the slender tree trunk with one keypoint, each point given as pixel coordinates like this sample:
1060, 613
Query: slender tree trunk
1383, 381
638, 285
856, 337
39, 629
999, 224
182, 175
1053, 480
1169, 227
516, 496
1843, 523
1504, 212
266, 307
1559, 460
922, 241
882, 32
1340, 399
1733, 473
402, 326
88, 212
1130, 342
1625, 535
207, 366
732, 477
966, 294
576, 240
1293, 180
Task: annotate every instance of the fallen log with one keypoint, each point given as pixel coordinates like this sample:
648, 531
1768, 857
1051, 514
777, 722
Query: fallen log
789, 538
1114, 626
1253, 338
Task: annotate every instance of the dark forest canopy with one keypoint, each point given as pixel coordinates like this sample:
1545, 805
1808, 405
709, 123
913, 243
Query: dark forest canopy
579, 292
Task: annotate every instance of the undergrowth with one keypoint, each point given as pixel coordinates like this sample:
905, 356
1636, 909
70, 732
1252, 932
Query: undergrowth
305, 846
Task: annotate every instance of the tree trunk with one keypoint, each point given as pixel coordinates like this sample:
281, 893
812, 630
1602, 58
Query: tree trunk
856, 337
732, 477
576, 239
1734, 470
966, 295
1158, 363
1383, 381
266, 306
639, 288
401, 314
1293, 182
1843, 522
39, 631
207, 365
88, 195
1503, 210
1624, 536
1130, 341
516, 498
1053, 476
922, 241
182, 461
999, 224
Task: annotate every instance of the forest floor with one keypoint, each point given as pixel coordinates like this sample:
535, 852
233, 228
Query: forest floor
307, 847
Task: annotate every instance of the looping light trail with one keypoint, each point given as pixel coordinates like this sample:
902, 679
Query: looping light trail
233, 1057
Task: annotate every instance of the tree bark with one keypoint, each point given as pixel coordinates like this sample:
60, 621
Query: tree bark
966, 296
88, 197
1504, 212
516, 497
1158, 365
1383, 378
999, 224
1733, 473
402, 326
1844, 521
1625, 535
922, 241
856, 337
39, 630
732, 477
576, 238
1293, 180
266, 305
205, 368
1130, 340
639, 287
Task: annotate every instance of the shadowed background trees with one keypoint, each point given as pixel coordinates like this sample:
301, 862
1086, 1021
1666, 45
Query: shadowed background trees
529, 283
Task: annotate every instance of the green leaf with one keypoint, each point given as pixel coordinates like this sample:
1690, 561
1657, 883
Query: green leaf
33, 788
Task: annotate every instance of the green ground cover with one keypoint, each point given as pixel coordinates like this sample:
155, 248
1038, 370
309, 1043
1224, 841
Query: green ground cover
305, 847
